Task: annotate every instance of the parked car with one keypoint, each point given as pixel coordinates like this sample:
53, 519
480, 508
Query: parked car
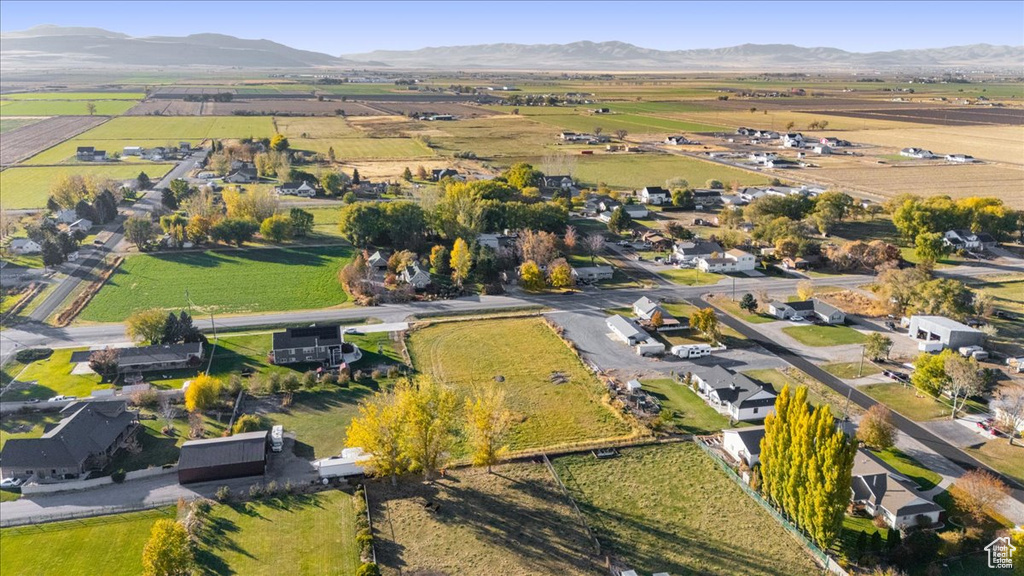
1004, 315
897, 376
10, 483
797, 318
61, 398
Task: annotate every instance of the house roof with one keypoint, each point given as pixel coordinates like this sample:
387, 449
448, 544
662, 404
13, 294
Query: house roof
738, 253
140, 355
944, 322
699, 247
587, 270
815, 305
308, 337
655, 190
625, 327
246, 171
874, 482
87, 428
237, 449
736, 388
377, 258
22, 242
749, 437
294, 185
413, 271
645, 305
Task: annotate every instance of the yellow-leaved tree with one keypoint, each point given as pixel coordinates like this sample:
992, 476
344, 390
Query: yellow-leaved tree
378, 430
489, 422
462, 261
169, 551
202, 393
430, 411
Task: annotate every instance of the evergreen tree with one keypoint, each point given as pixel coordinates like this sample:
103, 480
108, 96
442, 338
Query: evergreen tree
876, 541
355, 175
170, 330
862, 542
894, 540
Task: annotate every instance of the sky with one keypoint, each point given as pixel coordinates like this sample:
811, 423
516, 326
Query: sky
354, 27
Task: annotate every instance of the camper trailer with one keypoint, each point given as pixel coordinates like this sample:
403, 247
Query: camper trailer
691, 350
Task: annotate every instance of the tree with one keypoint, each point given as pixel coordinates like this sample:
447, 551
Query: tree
930, 247
678, 231
620, 220
330, 154
430, 411
169, 550
90, 107
789, 125
570, 239
277, 228
139, 230
876, 428
355, 176
748, 303
541, 247
705, 321
332, 182
593, 244
976, 492
407, 174
522, 175
256, 205
235, 231
657, 319
301, 222
104, 362
440, 260
202, 393
279, 143
249, 423
714, 184
530, 276
52, 254
621, 134
1009, 404
421, 173
964, 380
489, 422
598, 130
378, 430
877, 346
146, 326
560, 274
805, 290
462, 261
142, 181
929, 375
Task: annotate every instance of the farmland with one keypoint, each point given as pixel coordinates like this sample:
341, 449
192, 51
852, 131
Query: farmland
39, 135
63, 107
549, 410
9, 124
632, 172
998, 143
513, 522
654, 519
28, 187
65, 151
213, 280
74, 96
632, 123
189, 128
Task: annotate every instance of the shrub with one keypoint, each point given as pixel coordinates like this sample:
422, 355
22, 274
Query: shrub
233, 385
272, 488
145, 398
880, 522
290, 382
393, 371
331, 378
343, 379
309, 380
368, 569
358, 376
223, 494
377, 374
256, 491
118, 476
364, 537
30, 355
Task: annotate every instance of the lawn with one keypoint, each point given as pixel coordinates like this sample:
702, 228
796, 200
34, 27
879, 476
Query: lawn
515, 521
813, 335
907, 400
52, 377
29, 186
850, 370
636, 171
1001, 456
183, 128
690, 414
14, 425
272, 278
817, 393
671, 509
852, 527
926, 479
732, 307
522, 356
63, 108
159, 449
108, 545
690, 276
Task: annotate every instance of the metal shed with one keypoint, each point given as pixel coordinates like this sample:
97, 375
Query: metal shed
219, 458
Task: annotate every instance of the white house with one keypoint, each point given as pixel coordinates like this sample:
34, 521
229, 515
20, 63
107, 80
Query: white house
626, 330
296, 189
762, 157
132, 151
793, 140
24, 246
959, 158
916, 153
496, 241
416, 276
688, 251
815, 308
880, 491
592, 273
967, 240
654, 195
735, 394
645, 308
732, 261
636, 210
744, 444
823, 149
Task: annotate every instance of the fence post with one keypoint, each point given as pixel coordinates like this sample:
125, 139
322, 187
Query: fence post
369, 523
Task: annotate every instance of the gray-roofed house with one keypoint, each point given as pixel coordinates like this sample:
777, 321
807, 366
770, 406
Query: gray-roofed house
626, 330
85, 439
880, 491
687, 251
324, 344
655, 195
416, 276
950, 333
645, 308
439, 174
377, 260
235, 456
156, 357
744, 444
24, 246
587, 274
812, 308
734, 394
967, 240
498, 240
301, 188
243, 175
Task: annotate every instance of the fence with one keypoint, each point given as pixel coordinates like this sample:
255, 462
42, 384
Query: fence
572, 502
369, 523
83, 517
95, 482
813, 548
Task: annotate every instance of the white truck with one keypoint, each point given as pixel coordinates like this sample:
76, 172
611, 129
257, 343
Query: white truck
349, 463
691, 350
277, 438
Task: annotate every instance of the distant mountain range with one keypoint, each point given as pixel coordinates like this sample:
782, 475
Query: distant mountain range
49, 47
623, 56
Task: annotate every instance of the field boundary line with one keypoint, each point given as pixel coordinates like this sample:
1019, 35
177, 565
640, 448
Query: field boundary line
572, 502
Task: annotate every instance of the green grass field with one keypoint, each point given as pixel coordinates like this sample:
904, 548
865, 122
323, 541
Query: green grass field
75, 96
1001, 456
732, 307
824, 335
926, 479
13, 425
53, 376
224, 282
850, 370
671, 509
365, 148
634, 171
183, 128
29, 187
690, 276
65, 151
690, 414
63, 108
907, 400
525, 353
632, 123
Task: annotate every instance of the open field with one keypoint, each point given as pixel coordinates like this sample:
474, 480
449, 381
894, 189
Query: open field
772, 117
824, 335
632, 123
515, 522
53, 376
273, 278
460, 111
365, 148
631, 171
944, 115
35, 136
654, 519
279, 106
907, 400
8, 124
28, 187
690, 414
733, 308
316, 128
63, 108
193, 128
64, 153
998, 143
690, 276
850, 370
474, 354
497, 137
74, 96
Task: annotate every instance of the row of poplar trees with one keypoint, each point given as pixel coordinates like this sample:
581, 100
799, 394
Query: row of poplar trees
806, 461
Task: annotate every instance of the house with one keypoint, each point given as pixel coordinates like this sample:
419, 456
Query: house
967, 240
243, 175
655, 195
81, 225
734, 260
645, 308
587, 274
744, 444
66, 216
635, 211
800, 262
823, 149
147, 358
812, 308
688, 251
949, 333
656, 240
438, 174
916, 153
86, 438
626, 330
184, 147
301, 188
378, 261
24, 246
762, 157
416, 276
557, 183
959, 158
85, 154
735, 394
793, 140
881, 491
496, 241
706, 196
132, 151
323, 344
677, 140
234, 456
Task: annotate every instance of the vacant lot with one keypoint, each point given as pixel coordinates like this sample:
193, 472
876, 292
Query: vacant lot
273, 279
497, 137
554, 398
849, 370
999, 143
632, 123
192, 128
907, 400
34, 136
824, 335
515, 522
365, 148
634, 171
690, 276
63, 108
653, 518
28, 187
690, 414
277, 107
944, 116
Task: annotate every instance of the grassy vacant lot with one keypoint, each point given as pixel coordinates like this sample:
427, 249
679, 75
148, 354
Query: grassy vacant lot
690, 276
690, 414
817, 393
272, 278
1001, 456
926, 479
498, 136
183, 128
824, 335
907, 400
526, 355
631, 171
653, 518
109, 545
63, 108
732, 307
365, 148
850, 370
514, 522
632, 123
28, 187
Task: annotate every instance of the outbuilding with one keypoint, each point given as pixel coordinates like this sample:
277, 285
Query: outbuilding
626, 330
950, 333
236, 456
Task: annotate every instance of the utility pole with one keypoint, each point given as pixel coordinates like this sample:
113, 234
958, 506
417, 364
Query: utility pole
863, 349
733, 288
